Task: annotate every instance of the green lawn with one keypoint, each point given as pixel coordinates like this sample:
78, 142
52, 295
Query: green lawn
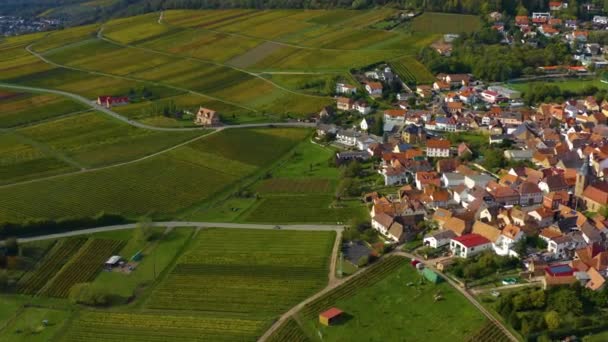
405, 313
28, 326
157, 256
563, 84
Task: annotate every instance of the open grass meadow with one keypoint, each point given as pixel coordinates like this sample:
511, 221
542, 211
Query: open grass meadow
401, 302
246, 274
27, 325
160, 186
563, 84
431, 22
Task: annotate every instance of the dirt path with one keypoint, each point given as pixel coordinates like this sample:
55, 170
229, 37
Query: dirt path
334, 258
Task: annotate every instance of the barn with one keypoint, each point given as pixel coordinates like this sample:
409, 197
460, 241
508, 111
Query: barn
330, 316
431, 276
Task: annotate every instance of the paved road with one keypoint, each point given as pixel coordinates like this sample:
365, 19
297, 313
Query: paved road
176, 224
117, 116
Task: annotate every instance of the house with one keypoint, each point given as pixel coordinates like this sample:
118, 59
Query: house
600, 20
596, 280
502, 195
362, 107
555, 5
457, 225
207, 117
446, 124
394, 175
490, 96
374, 88
343, 88
109, 101
529, 194
469, 245
506, 92
542, 216
595, 196
458, 80
423, 179
440, 86
345, 103
323, 130
439, 239
347, 137
330, 316
464, 150
345, 156
479, 180
424, 91
413, 134
438, 148
553, 200
518, 155
559, 245
452, 179
327, 111
557, 275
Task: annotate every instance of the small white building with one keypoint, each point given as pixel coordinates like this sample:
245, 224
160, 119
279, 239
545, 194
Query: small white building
343, 88
469, 245
452, 179
347, 137
363, 125
559, 245
439, 239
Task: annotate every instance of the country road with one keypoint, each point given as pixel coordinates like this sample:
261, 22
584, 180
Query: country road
176, 224
117, 116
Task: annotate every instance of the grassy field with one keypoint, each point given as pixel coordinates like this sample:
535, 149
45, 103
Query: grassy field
406, 312
27, 325
563, 84
245, 274
430, 22
161, 186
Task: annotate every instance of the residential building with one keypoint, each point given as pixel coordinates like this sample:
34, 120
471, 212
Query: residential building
207, 117
374, 88
439, 239
347, 89
438, 148
469, 245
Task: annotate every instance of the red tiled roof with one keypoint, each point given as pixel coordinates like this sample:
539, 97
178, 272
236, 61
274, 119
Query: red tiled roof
331, 313
472, 240
597, 193
438, 143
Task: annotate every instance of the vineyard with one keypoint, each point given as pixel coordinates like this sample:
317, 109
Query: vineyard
288, 185
490, 332
60, 254
376, 273
412, 71
84, 266
289, 331
246, 273
131, 327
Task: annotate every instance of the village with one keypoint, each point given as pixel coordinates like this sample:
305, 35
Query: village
547, 187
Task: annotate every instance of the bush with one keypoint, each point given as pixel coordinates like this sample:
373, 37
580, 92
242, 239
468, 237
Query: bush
42, 227
88, 294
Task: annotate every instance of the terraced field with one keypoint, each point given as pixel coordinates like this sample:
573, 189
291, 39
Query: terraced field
251, 274
25, 108
412, 71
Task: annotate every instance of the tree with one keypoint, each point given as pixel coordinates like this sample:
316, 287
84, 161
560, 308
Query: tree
144, 231
363, 261
521, 248
88, 294
552, 319
12, 246
353, 169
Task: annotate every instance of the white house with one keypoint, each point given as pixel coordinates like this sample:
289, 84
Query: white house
507, 239
559, 245
343, 88
469, 245
363, 125
542, 216
362, 107
600, 20
438, 148
489, 96
347, 137
479, 180
451, 179
374, 88
394, 175
445, 124
439, 239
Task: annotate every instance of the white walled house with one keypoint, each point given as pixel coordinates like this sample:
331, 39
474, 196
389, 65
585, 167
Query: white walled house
347, 137
439, 239
469, 245
438, 148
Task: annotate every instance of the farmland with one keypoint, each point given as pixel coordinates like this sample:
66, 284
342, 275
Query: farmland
430, 22
412, 71
159, 186
61, 253
414, 314
245, 273
83, 267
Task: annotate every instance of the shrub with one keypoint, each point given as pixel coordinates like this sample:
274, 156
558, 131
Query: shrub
88, 294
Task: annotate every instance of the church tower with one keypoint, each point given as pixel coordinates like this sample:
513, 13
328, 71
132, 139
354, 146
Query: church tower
583, 177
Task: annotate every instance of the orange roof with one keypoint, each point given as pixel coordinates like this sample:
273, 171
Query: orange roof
395, 112
331, 313
438, 143
511, 231
596, 280
550, 233
597, 193
375, 85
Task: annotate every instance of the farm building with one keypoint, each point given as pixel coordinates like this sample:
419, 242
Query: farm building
109, 101
431, 276
330, 316
113, 261
207, 117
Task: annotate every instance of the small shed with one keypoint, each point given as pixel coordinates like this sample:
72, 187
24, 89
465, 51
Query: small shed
431, 276
113, 261
330, 316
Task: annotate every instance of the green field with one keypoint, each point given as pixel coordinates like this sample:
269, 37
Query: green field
412, 71
27, 325
160, 186
430, 22
245, 274
407, 312
563, 84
